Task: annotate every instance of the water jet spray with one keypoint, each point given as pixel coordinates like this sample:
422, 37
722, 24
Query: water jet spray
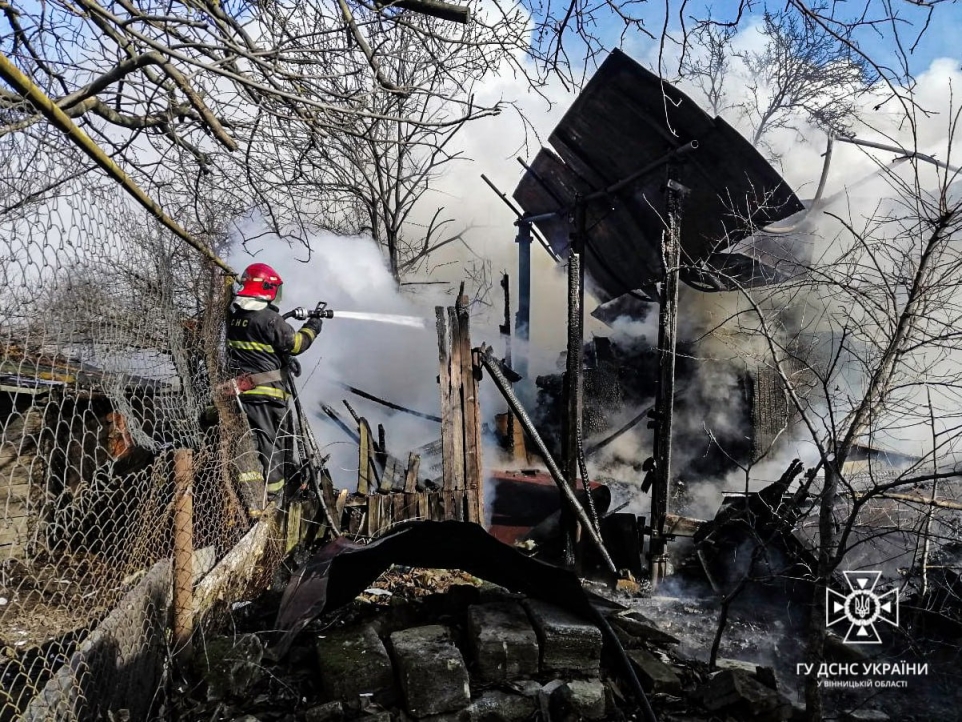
322, 311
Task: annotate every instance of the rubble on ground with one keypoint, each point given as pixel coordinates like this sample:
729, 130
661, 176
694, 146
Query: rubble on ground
474, 653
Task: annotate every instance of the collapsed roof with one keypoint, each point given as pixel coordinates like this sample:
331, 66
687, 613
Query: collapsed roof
628, 122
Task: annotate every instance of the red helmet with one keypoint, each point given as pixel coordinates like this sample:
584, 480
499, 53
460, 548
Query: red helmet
260, 281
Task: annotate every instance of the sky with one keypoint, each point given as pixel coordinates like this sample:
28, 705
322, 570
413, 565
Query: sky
940, 38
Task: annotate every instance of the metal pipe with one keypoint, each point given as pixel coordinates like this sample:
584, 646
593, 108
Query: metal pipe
538, 217
902, 151
522, 319
654, 165
518, 214
504, 387
776, 230
595, 195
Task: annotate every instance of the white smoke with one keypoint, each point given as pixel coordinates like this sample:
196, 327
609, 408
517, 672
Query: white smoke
394, 362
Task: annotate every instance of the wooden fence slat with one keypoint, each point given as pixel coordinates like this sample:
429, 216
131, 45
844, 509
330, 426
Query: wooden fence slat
364, 453
399, 479
387, 512
410, 506
373, 515
355, 518
470, 409
447, 407
474, 504
411, 476
435, 505
387, 478
457, 417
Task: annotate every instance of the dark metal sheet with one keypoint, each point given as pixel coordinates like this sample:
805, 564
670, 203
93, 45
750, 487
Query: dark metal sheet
627, 118
341, 570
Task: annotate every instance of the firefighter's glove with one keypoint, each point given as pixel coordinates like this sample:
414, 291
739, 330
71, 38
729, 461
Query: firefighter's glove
294, 366
314, 324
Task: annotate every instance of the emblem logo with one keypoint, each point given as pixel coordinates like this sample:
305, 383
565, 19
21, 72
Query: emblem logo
862, 607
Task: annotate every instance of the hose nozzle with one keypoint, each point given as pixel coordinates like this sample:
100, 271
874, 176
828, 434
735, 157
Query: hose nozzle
322, 311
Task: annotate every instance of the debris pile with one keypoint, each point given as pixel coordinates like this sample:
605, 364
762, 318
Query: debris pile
474, 652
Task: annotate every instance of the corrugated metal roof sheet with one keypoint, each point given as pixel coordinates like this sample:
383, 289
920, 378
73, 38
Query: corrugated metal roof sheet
627, 118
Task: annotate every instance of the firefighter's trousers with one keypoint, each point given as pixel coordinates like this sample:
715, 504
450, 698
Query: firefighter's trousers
268, 421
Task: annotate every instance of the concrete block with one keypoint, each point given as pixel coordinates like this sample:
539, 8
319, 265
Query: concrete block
433, 675
568, 643
354, 662
502, 641
765, 675
654, 675
740, 694
327, 712
578, 700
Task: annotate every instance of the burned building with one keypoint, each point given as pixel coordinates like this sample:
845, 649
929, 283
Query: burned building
633, 165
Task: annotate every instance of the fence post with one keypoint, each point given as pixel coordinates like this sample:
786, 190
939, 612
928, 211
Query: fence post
471, 417
183, 552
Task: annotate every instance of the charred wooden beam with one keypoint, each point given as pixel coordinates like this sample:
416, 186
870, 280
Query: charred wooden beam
389, 404
573, 379
411, 477
664, 404
339, 422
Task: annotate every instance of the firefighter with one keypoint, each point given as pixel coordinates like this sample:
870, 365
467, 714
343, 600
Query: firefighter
260, 344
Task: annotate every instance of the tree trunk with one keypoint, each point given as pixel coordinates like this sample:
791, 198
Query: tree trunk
826, 565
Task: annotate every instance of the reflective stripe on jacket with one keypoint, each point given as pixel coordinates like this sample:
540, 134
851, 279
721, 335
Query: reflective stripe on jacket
261, 340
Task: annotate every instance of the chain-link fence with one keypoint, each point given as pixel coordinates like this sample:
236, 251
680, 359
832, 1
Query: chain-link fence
109, 348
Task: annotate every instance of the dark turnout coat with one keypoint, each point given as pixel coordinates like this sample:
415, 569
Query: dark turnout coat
261, 341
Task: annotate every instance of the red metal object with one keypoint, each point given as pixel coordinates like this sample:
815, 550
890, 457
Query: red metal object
522, 499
